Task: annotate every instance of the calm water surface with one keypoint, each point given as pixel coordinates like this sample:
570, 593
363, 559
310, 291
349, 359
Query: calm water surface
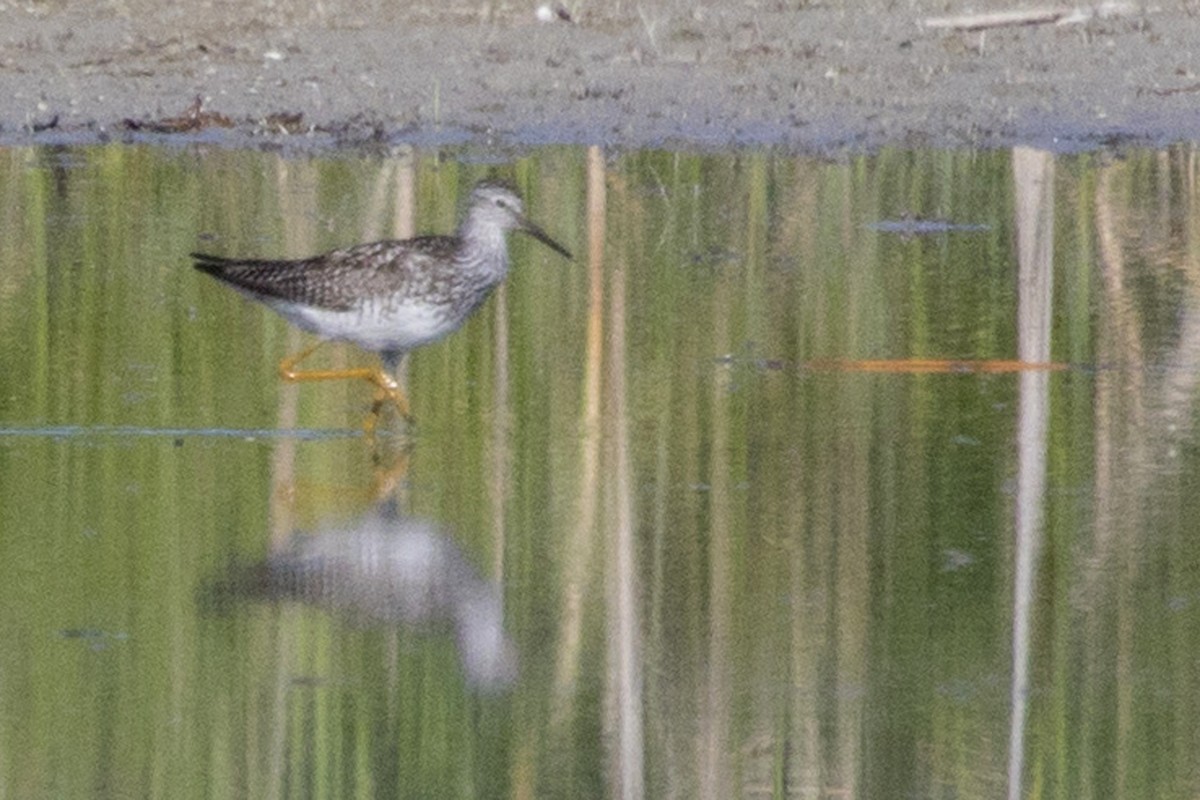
862, 478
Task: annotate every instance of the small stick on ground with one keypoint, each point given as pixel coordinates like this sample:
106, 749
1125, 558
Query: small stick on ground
1031, 16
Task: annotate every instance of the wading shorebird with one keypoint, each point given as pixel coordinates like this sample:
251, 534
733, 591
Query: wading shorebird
387, 297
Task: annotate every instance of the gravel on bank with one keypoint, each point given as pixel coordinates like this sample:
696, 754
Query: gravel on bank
805, 77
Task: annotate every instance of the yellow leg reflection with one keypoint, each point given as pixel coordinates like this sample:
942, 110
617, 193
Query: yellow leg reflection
301, 502
387, 389
391, 469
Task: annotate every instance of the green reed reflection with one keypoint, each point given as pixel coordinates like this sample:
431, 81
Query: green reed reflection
727, 573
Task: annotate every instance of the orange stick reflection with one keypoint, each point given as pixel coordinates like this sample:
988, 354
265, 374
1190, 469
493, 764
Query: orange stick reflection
931, 365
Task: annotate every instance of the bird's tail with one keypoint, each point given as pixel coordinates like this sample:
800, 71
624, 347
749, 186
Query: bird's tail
220, 265
213, 265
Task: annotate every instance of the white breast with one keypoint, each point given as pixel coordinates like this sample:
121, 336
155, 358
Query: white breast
376, 325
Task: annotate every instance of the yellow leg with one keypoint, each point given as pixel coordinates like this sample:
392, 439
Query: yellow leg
386, 387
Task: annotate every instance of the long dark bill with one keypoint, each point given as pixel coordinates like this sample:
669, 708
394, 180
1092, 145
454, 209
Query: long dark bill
543, 237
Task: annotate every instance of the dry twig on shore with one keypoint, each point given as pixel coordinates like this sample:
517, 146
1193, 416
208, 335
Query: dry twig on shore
1032, 16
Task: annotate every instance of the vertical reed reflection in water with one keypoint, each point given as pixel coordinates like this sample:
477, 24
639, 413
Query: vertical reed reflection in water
845, 477
1122, 446
624, 626
581, 538
400, 172
501, 427
295, 184
807, 534
1143, 429
295, 187
1033, 177
714, 758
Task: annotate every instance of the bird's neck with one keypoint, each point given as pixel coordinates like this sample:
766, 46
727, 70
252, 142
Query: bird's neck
484, 248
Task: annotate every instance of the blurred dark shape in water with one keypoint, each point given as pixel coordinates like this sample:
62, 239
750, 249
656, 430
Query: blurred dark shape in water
385, 569
912, 226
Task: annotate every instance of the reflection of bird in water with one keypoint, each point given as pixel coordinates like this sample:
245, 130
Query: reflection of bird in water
388, 297
388, 570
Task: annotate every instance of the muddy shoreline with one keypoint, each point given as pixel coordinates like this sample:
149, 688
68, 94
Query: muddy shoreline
812, 78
